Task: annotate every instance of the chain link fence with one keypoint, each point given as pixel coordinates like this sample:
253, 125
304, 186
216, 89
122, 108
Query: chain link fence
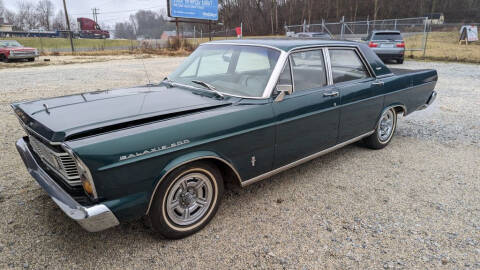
357, 30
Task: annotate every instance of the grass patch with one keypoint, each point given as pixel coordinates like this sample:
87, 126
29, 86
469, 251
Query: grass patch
443, 46
163, 52
64, 43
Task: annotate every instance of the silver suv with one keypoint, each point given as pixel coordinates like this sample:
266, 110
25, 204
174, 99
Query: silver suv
387, 45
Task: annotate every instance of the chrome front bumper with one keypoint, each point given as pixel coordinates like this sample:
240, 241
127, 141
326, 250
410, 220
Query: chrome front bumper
93, 219
23, 56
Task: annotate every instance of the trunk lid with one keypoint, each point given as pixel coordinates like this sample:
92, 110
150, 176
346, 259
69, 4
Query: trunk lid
57, 118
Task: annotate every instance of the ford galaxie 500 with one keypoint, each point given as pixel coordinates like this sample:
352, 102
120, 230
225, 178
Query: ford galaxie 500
241, 110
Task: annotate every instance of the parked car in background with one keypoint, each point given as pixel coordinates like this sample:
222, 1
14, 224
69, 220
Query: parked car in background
388, 45
239, 110
12, 50
317, 35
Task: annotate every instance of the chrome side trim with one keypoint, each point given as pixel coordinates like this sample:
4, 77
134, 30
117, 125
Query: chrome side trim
186, 162
303, 160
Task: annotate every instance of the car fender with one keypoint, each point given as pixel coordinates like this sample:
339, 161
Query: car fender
185, 159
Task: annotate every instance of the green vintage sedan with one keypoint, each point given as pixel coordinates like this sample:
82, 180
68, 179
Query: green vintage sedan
240, 110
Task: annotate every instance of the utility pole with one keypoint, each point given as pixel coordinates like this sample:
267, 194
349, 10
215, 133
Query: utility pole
95, 14
68, 26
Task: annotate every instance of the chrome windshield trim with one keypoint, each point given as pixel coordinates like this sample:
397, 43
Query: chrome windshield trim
277, 71
272, 82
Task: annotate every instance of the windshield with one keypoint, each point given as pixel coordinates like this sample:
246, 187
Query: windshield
231, 69
387, 36
9, 43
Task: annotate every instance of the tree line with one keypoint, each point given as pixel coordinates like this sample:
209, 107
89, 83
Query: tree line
270, 16
259, 17
35, 15
144, 23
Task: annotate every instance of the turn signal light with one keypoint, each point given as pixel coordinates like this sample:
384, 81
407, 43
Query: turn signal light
87, 186
372, 44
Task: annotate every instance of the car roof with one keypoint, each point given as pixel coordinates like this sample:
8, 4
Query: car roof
312, 33
385, 31
285, 44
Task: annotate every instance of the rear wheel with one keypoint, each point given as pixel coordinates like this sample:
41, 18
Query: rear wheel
400, 60
384, 131
186, 200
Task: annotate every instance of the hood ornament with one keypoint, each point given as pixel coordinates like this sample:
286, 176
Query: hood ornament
46, 108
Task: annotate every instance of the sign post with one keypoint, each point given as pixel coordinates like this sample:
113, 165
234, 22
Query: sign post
468, 33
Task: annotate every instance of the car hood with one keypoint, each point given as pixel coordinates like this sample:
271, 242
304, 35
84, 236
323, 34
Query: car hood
59, 118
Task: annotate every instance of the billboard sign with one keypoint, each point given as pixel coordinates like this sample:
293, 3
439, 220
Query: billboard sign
193, 9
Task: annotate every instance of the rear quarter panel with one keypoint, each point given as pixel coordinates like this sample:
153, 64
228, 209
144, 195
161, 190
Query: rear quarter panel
411, 90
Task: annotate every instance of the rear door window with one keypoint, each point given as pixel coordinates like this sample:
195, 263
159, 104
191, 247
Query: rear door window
347, 66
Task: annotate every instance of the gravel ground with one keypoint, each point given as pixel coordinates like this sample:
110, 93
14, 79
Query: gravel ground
415, 204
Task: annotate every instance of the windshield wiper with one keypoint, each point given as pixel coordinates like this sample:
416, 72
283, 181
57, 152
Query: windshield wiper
168, 82
209, 87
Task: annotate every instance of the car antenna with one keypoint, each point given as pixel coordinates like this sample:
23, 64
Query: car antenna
146, 73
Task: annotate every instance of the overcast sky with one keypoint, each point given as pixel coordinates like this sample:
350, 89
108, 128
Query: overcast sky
111, 11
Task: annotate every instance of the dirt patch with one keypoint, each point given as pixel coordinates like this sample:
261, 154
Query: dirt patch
412, 205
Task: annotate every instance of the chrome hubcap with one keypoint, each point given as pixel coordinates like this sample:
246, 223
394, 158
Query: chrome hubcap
189, 199
385, 127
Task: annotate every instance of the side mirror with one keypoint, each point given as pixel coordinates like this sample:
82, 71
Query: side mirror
226, 58
283, 90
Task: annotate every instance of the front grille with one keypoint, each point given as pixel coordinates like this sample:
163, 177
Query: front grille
20, 53
60, 162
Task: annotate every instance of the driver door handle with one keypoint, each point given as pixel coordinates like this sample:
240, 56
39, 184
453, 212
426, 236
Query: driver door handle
331, 94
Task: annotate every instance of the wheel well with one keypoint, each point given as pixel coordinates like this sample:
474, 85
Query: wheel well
400, 109
229, 174
227, 171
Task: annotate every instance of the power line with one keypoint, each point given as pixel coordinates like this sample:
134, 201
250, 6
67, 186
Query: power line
120, 11
95, 14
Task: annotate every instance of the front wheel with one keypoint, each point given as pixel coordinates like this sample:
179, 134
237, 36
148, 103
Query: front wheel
3, 58
186, 200
384, 131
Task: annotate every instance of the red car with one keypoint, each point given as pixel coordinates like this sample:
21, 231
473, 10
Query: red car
11, 49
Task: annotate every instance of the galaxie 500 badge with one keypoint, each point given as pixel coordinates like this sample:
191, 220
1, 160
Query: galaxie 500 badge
154, 150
